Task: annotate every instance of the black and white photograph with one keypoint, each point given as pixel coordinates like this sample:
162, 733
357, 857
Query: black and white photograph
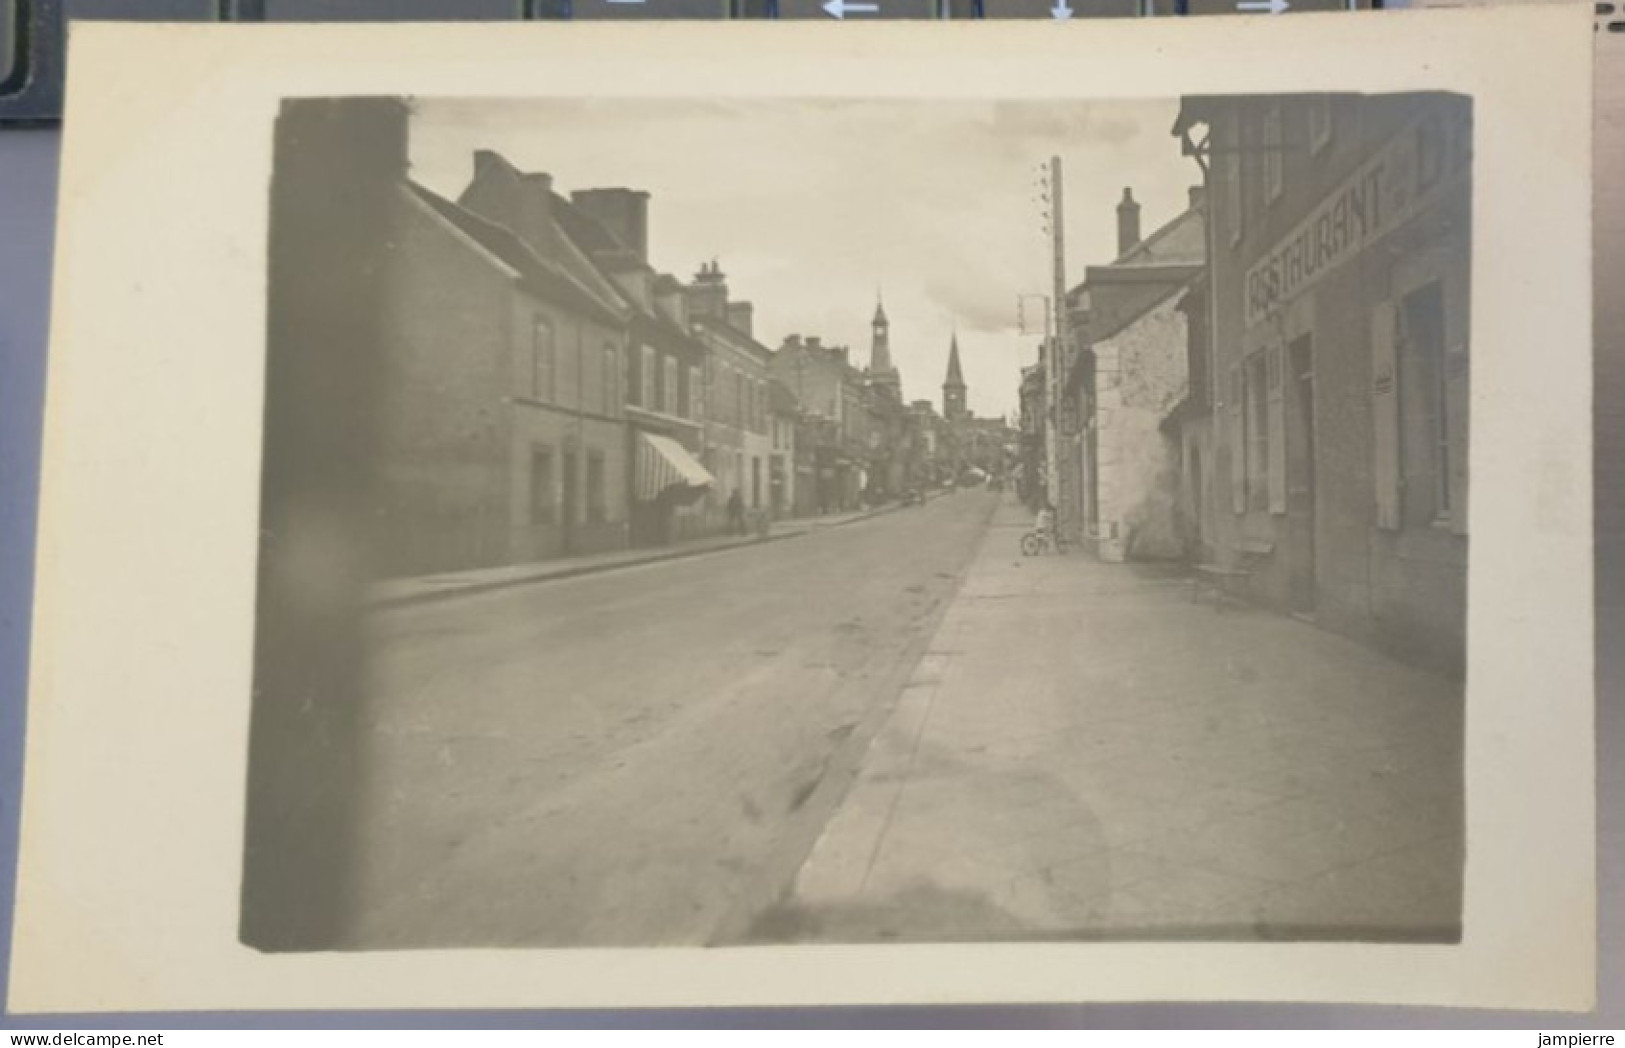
738, 522
586, 517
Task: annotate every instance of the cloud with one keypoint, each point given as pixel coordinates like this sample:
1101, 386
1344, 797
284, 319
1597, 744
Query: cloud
810, 205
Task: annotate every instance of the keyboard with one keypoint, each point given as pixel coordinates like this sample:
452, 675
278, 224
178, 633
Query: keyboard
33, 32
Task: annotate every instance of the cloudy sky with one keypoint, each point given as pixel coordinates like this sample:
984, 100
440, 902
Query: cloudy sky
812, 206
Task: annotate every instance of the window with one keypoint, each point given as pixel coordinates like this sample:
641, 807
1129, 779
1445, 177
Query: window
739, 399
612, 379
596, 508
542, 496
1273, 155
1426, 425
1320, 123
668, 389
696, 400
541, 359
646, 378
1258, 434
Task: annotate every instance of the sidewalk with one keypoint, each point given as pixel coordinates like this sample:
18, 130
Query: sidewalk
1084, 753
390, 592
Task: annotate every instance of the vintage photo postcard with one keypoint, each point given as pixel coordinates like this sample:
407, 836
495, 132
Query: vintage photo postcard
566, 516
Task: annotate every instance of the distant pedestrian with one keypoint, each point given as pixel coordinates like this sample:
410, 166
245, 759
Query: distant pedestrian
1045, 524
736, 513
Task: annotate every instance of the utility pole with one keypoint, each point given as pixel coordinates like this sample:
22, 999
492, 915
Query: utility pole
1055, 353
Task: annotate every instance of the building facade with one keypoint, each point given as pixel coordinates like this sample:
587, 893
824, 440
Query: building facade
1328, 449
507, 437
829, 389
789, 471
1128, 369
664, 403
738, 438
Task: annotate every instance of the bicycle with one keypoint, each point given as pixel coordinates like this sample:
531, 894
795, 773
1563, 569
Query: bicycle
1042, 540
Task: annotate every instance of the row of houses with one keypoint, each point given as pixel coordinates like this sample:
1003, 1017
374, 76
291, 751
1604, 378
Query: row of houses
1274, 381
542, 389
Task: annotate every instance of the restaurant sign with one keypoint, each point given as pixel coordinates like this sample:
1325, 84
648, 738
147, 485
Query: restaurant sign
1379, 196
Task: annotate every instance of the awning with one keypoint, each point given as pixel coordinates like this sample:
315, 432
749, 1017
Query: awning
663, 464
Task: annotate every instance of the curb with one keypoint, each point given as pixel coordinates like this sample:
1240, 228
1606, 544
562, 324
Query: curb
557, 575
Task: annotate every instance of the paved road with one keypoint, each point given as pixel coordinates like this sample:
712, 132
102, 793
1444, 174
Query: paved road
640, 757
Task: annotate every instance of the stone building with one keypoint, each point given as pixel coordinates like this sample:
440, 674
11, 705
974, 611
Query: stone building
1326, 449
1126, 372
790, 470
738, 442
664, 403
828, 387
506, 438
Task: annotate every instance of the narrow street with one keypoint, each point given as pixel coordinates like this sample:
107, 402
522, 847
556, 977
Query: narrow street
898, 728
643, 756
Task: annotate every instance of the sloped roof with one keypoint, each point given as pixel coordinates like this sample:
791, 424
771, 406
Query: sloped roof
1182, 239
540, 276
1130, 319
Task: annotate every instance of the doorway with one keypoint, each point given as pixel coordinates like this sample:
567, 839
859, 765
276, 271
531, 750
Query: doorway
1300, 475
567, 526
1196, 546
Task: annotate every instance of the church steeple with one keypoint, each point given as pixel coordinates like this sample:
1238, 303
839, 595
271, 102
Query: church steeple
953, 387
881, 372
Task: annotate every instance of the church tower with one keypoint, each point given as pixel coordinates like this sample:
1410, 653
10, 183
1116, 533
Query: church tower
882, 375
953, 387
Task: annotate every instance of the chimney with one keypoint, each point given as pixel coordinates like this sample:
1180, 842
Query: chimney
1128, 222
708, 295
671, 300
741, 316
520, 202
1198, 197
536, 211
814, 342
624, 212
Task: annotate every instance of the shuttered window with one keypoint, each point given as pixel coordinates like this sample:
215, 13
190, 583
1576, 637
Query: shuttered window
597, 503
1275, 451
1320, 122
1385, 416
1432, 408
1258, 434
1237, 444
1456, 373
542, 496
541, 359
647, 381
1274, 157
611, 380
